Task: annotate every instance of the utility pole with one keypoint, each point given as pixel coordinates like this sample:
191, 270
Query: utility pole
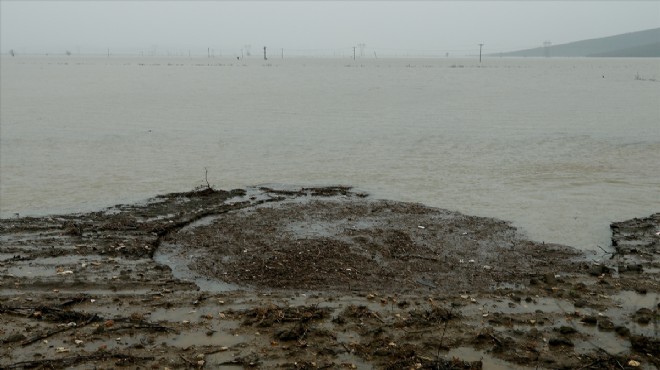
546, 51
282, 53
265, 53
353, 52
480, 46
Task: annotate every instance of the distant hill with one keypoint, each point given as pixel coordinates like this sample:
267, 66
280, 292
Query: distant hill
634, 44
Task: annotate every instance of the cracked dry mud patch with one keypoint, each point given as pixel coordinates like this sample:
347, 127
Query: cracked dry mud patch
318, 278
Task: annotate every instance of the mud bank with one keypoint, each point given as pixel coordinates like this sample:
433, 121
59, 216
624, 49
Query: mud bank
306, 278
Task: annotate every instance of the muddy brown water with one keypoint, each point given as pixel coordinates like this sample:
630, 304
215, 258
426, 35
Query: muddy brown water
304, 278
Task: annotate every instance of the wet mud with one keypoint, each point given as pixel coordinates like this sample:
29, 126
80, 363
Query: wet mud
318, 278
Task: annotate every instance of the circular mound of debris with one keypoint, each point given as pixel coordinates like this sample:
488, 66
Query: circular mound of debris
346, 242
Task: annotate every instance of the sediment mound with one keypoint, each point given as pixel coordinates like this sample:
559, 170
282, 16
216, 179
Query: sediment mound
345, 243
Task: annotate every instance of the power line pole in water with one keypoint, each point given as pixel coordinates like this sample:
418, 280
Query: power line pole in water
480, 47
353, 52
265, 53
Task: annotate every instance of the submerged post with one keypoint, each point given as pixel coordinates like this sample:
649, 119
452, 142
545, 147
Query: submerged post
265, 53
480, 46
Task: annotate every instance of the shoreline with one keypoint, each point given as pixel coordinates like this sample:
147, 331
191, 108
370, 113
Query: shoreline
319, 277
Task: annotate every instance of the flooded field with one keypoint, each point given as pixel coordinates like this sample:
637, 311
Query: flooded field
307, 278
560, 147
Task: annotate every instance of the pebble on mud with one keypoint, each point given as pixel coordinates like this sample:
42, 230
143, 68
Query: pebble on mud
560, 342
567, 330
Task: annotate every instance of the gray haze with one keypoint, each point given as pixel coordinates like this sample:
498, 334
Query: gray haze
312, 27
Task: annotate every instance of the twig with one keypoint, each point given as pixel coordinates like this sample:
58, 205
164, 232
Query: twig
606, 252
433, 328
44, 336
378, 317
143, 326
187, 361
53, 332
445, 329
499, 342
206, 177
68, 361
73, 301
420, 257
300, 340
589, 365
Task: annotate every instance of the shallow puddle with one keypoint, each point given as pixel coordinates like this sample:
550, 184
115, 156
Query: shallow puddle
489, 362
634, 299
171, 255
216, 335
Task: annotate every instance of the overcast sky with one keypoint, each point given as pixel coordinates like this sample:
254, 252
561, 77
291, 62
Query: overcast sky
312, 26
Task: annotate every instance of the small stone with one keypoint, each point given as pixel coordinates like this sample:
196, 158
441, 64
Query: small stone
580, 303
567, 330
622, 331
643, 316
590, 320
560, 342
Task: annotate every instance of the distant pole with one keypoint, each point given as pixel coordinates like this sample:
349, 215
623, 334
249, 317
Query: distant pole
546, 50
353, 52
208, 52
265, 58
480, 47
108, 52
282, 53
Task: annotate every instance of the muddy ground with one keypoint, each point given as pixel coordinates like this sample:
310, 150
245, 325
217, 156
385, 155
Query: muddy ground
306, 278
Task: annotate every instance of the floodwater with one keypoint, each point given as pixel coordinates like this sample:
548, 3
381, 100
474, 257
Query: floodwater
560, 147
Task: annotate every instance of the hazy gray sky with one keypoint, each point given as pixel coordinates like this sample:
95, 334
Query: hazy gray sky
314, 26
